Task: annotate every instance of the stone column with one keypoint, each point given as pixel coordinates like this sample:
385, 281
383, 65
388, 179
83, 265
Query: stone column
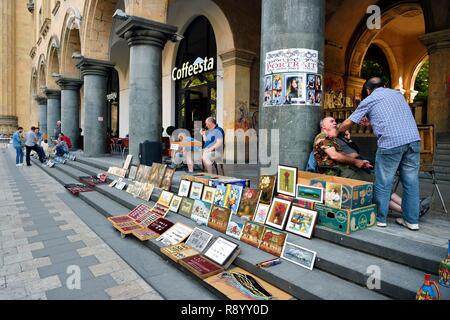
301, 24
70, 108
438, 45
53, 110
146, 40
95, 75
42, 111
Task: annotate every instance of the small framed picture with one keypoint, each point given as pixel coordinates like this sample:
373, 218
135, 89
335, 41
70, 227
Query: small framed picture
208, 194
287, 180
165, 198
278, 213
132, 173
199, 239
301, 221
196, 191
175, 203
261, 213
299, 255
185, 186
186, 207
333, 196
310, 193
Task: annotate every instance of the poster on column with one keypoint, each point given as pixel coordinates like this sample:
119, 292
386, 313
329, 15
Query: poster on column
314, 89
292, 60
295, 88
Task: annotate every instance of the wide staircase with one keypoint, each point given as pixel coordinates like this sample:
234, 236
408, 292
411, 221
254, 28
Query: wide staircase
442, 159
344, 265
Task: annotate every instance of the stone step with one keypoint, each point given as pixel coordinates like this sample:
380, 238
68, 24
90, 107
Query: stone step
93, 163
345, 272
442, 163
443, 146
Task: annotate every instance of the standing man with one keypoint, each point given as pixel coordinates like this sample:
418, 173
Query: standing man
398, 149
30, 144
17, 143
57, 130
213, 150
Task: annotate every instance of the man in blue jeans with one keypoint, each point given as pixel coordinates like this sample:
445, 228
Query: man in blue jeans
17, 143
389, 115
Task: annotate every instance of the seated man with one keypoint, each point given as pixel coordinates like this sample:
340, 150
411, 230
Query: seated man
187, 153
66, 139
61, 148
330, 158
214, 142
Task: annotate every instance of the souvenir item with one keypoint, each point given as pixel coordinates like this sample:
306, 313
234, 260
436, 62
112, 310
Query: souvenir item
444, 270
301, 221
261, 213
218, 219
127, 162
333, 195
179, 251
272, 241
102, 177
199, 239
176, 234
278, 213
132, 173
252, 233
143, 173
91, 181
135, 188
219, 198
160, 173
186, 207
247, 284
200, 212
287, 180
165, 198
160, 225
167, 179
221, 250
267, 186
120, 219
175, 203
208, 194
201, 266
153, 174
429, 289
196, 191
160, 209
127, 227
75, 189
146, 191
309, 193
233, 197
120, 185
113, 183
235, 227
120, 172
145, 234
248, 204
185, 186
299, 255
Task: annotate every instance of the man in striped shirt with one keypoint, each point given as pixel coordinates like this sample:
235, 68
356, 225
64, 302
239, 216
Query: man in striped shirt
389, 115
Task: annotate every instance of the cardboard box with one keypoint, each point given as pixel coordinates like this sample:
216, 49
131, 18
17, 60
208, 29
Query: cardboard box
355, 193
346, 220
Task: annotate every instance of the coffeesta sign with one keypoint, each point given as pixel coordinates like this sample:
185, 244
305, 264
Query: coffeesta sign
188, 70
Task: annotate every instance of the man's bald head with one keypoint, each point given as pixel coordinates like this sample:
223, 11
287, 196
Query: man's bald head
372, 84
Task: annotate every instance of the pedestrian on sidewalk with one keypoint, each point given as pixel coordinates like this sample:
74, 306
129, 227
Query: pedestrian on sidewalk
57, 130
30, 144
18, 145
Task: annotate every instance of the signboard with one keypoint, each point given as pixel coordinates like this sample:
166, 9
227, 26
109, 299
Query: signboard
292, 60
188, 70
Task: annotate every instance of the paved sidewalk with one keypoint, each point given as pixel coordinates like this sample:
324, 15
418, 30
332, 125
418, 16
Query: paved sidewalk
42, 242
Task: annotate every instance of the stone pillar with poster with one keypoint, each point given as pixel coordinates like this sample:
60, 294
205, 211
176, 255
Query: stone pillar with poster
292, 55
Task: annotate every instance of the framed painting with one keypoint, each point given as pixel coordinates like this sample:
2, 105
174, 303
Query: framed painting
165, 198
196, 191
160, 173
219, 218
185, 187
235, 227
127, 162
146, 192
167, 179
175, 203
267, 187
186, 207
287, 180
233, 197
219, 198
309, 193
208, 194
278, 213
299, 255
176, 234
249, 202
261, 213
200, 212
132, 173
301, 221
272, 241
252, 233
199, 239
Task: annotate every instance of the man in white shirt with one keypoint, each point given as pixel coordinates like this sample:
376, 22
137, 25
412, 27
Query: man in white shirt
30, 144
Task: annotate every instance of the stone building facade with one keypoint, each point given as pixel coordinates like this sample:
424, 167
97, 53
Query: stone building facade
71, 60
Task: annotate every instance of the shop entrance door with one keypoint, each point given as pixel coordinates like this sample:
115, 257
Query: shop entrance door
196, 108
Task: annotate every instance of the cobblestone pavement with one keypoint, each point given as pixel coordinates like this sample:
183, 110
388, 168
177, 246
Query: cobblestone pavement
44, 245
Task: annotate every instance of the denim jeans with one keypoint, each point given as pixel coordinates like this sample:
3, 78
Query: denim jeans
19, 155
405, 159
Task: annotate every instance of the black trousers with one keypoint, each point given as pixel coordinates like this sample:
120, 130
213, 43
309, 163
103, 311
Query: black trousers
38, 151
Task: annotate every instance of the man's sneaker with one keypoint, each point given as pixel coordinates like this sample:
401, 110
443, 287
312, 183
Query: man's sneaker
18, 165
381, 224
425, 205
412, 227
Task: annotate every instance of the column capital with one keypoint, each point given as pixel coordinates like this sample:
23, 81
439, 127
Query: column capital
40, 100
94, 67
53, 94
69, 83
436, 40
238, 57
138, 31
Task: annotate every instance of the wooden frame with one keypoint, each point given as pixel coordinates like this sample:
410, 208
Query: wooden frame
281, 181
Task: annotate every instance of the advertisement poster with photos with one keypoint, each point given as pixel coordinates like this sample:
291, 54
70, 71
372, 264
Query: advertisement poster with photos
295, 88
314, 89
